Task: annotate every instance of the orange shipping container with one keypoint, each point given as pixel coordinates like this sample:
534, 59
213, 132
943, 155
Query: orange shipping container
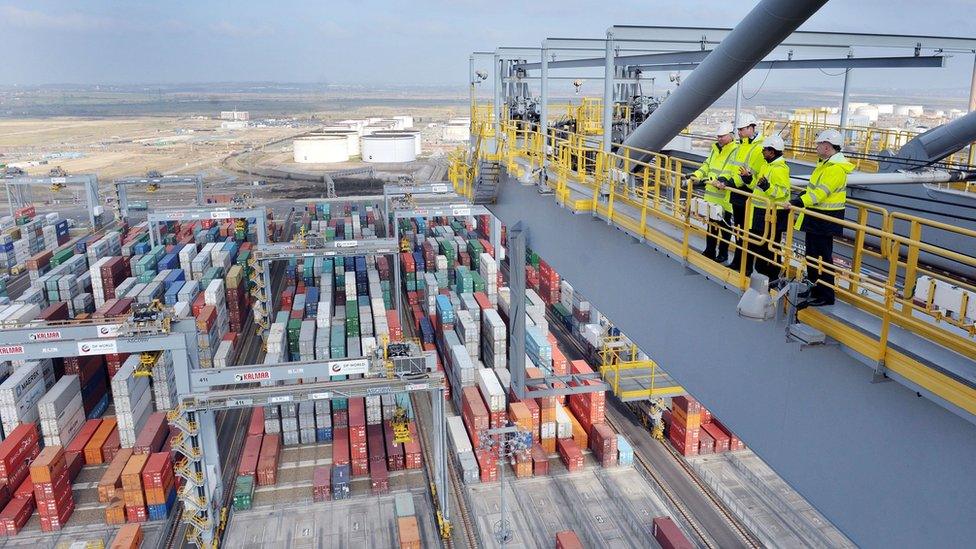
47, 465
521, 415
93, 450
409, 533
128, 537
112, 478
115, 511
580, 436
132, 480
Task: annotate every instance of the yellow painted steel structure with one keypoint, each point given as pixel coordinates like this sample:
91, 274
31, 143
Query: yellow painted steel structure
617, 356
865, 141
585, 179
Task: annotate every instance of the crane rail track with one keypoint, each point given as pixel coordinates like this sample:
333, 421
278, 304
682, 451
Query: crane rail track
457, 488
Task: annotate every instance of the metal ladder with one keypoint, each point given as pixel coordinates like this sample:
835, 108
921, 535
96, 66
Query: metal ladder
486, 183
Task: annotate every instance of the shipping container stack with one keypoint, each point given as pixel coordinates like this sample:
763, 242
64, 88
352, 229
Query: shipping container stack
93, 377
103, 444
159, 485
548, 284
61, 412
462, 450
21, 391
26, 234
567, 539
129, 536
267, 466
164, 381
132, 489
408, 530
685, 428
49, 473
20, 447
133, 401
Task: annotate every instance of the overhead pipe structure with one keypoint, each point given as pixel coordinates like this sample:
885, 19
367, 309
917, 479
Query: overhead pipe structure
765, 27
934, 145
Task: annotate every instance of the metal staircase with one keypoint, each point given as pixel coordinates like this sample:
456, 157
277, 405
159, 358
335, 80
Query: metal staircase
196, 505
486, 182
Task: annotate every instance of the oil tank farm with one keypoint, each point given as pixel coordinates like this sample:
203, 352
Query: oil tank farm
321, 149
389, 148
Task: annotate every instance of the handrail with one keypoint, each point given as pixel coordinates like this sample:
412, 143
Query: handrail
879, 277
866, 141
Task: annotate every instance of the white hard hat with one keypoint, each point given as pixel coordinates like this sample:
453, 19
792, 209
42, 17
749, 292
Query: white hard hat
831, 136
746, 119
723, 129
774, 142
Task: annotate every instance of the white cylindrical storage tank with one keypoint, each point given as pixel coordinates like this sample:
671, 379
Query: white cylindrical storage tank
914, 110
454, 121
406, 121
388, 148
454, 131
352, 138
415, 133
322, 149
885, 108
901, 110
868, 111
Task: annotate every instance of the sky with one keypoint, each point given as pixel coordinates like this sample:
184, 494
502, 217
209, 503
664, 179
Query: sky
419, 42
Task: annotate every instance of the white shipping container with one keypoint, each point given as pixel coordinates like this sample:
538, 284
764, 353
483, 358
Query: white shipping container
458, 434
491, 390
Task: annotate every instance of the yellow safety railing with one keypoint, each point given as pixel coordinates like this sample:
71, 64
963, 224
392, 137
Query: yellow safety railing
655, 204
865, 141
617, 356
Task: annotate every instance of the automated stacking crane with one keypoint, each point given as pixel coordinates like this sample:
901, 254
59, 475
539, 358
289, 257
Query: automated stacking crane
201, 392
153, 181
19, 189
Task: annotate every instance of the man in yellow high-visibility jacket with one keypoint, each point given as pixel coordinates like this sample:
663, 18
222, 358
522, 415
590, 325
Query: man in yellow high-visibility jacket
826, 194
717, 172
770, 194
748, 154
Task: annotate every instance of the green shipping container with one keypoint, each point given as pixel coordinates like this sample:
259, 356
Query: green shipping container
243, 492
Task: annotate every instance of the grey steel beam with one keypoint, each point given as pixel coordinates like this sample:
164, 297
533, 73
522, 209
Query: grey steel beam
244, 397
624, 60
516, 306
336, 248
907, 62
715, 35
608, 80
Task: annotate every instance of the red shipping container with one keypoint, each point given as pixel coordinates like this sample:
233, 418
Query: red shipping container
153, 434
360, 467
14, 449
570, 453
667, 533
111, 446
474, 413
722, 440
340, 446
488, 464
256, 425
136, 513
77, 444
340, 420
603, 442
567, 539
686, 404
322, 483
540, 461
267, 472
411, 450
357, 420
54, 522
706, 416
706, 444
379, 478
249, 455
683, 448
15, 515
734, 442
